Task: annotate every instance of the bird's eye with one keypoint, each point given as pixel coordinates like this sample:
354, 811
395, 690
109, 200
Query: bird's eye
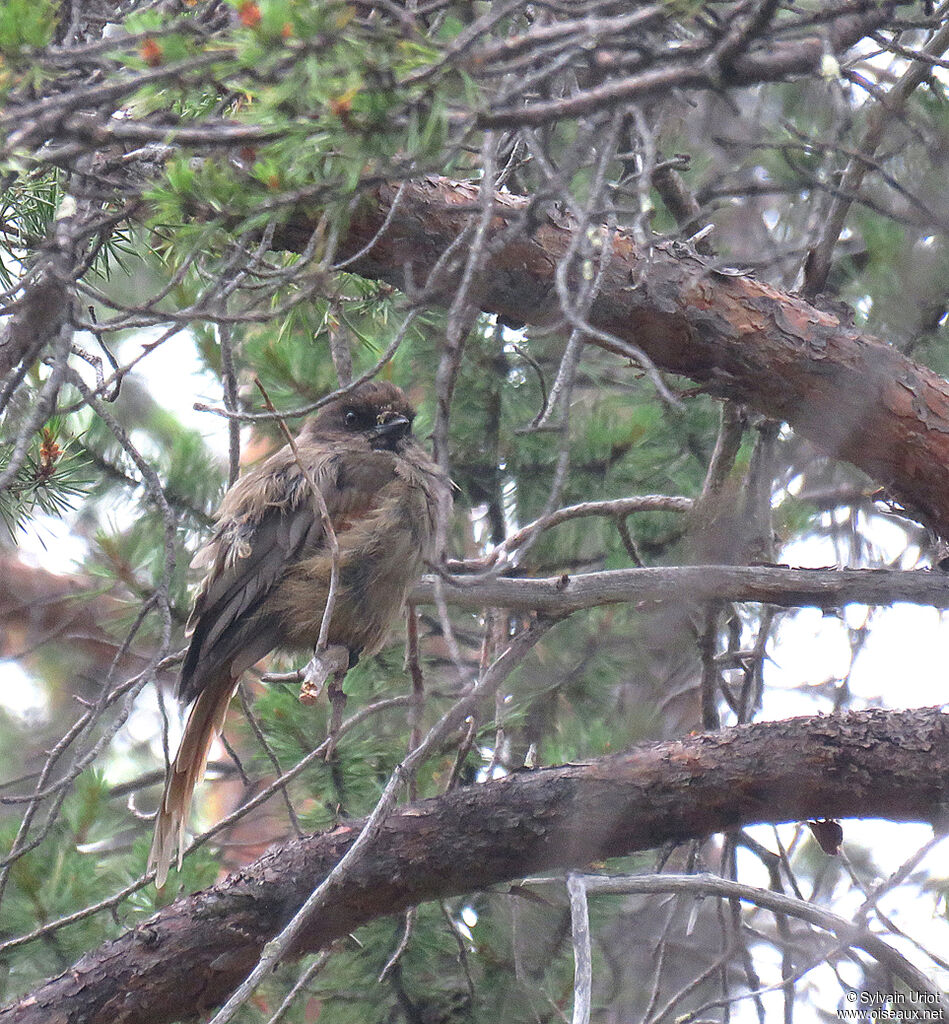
352, 418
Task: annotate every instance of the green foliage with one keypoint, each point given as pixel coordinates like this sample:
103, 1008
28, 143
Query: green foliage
329, 101
27, 206
53, 476
56, 878
25, 24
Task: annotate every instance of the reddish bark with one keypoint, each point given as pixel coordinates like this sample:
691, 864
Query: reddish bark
192, 954
854, 396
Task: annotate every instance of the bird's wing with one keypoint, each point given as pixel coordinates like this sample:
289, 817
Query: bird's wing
267, 521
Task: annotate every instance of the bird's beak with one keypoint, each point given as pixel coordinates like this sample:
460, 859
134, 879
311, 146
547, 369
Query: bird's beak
389, 433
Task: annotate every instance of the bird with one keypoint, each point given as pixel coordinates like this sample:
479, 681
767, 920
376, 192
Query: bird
268, 566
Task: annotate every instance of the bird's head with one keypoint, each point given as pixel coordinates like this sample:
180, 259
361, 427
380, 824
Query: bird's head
376, 410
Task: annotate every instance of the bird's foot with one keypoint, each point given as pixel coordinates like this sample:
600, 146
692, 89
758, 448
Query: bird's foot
331, 662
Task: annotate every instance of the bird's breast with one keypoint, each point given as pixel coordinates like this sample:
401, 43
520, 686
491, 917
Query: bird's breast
382, 546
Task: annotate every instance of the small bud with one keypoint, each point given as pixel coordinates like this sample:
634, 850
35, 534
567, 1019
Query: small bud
67, 208
151, 52
249, 14
829, 68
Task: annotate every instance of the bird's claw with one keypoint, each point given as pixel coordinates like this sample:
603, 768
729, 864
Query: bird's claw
333, 661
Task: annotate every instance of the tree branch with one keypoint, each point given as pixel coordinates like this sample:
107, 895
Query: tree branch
773, 62
852, 395
190, 955
56, 605
784, 587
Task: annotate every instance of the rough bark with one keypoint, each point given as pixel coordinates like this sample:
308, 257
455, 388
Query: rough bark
854, 396
190, 955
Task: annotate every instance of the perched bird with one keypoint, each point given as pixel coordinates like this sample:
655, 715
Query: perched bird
269, 566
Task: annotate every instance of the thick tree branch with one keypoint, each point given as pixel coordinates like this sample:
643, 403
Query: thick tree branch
61, 606
190, 955
784, 587
854, 396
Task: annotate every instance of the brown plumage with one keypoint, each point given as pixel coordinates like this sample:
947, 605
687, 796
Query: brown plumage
269, 567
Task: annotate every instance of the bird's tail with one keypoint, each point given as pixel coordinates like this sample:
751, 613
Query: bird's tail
205, 722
